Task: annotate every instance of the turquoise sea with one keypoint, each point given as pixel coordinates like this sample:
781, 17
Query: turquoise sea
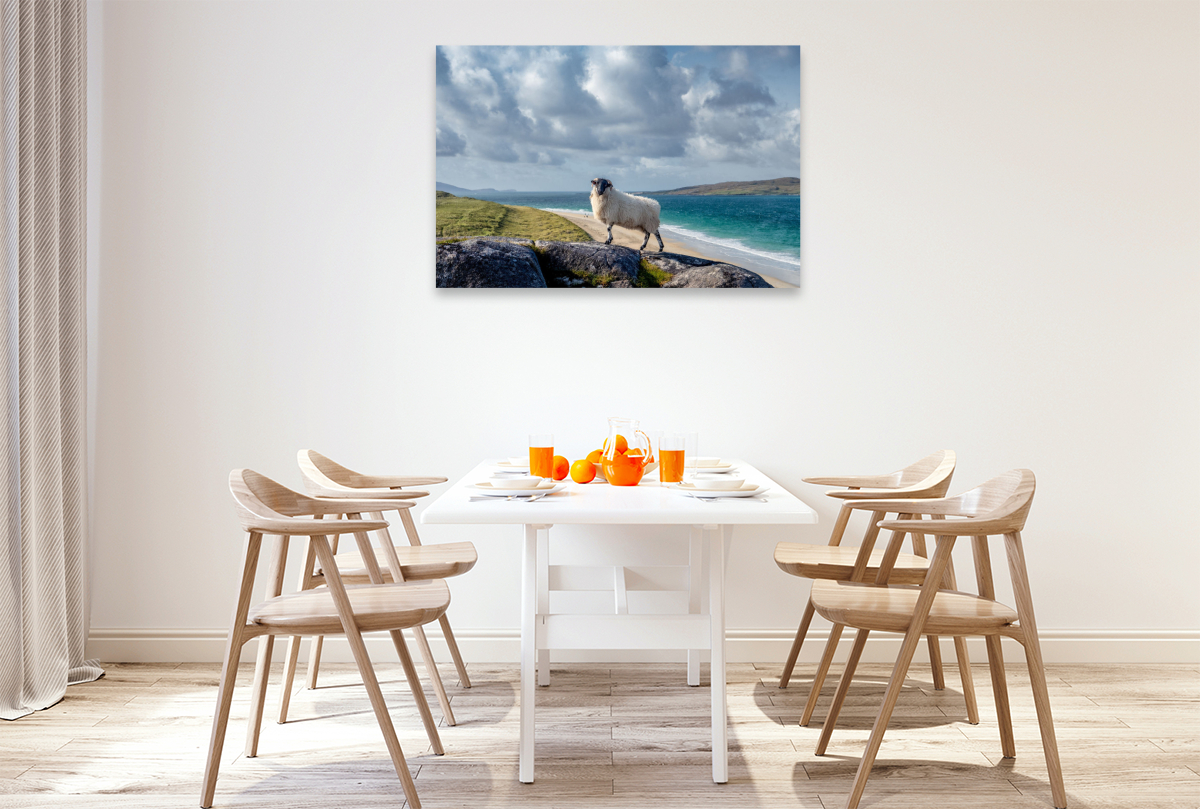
758, 233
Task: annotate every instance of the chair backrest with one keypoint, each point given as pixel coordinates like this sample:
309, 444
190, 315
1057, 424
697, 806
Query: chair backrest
266, 507
1003, 501
928, 477
324, 477
260, 500
935, 468
321, 472
999, 506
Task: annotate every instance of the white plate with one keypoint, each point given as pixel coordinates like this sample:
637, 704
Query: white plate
747, 490
708, 465
498, 489
509, 466
709, 470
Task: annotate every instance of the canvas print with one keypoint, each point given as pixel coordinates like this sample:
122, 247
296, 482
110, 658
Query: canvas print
586, 167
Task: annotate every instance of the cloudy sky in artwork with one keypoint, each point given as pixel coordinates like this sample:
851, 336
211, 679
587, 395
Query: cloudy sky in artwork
647, 118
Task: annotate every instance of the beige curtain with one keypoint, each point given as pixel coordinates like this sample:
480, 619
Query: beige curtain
43, 571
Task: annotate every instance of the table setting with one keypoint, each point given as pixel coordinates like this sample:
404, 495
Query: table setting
621, 461
631, 479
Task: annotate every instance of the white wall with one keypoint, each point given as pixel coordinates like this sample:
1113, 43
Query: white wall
1001, 256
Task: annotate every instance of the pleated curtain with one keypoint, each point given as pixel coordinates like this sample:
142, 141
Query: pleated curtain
43, 494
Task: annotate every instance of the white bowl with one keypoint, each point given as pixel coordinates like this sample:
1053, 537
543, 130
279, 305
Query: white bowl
518, 482
722, 483
700, 463
519, 461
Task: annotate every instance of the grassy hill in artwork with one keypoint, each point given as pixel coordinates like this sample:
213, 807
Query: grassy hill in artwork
779, 186
465, 217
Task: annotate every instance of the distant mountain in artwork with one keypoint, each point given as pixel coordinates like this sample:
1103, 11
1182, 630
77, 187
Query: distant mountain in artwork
780, 186
454, 189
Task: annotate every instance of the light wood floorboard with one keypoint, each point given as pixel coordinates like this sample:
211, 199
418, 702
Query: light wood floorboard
610, 736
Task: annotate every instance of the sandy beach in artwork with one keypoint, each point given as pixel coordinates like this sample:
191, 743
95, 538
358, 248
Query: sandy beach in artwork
633, 238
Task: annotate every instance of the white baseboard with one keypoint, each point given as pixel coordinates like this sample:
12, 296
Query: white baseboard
742, 646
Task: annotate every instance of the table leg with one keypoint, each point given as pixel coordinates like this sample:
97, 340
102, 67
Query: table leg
716, 608
695, 565
529, 598
543, 599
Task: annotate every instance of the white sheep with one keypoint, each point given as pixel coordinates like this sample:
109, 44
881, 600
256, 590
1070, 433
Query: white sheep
613, 207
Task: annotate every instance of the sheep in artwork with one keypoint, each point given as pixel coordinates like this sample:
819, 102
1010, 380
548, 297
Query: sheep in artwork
613, 207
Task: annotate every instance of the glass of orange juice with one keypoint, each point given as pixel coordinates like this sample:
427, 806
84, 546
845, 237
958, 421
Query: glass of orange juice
541, 455
671, 448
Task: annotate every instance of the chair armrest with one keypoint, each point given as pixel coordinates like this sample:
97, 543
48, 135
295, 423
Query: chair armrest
878, 494
360, 494
915, 505
398, 481
308, 528
855, 481
349, 505
949, 528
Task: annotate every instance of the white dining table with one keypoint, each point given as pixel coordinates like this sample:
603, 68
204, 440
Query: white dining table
596, 503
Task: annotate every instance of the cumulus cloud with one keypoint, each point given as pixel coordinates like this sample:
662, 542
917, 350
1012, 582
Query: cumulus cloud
614, 106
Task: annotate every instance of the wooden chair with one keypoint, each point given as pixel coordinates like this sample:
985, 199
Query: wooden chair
928, 477
264, 507
998, 507
405, 563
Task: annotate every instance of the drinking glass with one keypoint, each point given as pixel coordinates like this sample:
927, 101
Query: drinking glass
541, 455
691, 452
671, 455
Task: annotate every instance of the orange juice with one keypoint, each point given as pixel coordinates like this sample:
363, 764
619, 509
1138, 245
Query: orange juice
624, 470
670, 465
541, 461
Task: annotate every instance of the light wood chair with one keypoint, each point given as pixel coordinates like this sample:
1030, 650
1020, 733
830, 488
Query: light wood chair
998, 507
325, 478
266, 508
928, 477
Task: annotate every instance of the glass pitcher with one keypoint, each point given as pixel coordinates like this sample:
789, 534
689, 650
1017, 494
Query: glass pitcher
628, 453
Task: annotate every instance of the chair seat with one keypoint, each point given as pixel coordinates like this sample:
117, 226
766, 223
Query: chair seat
417, 562
889, 608
837, 563
376, 607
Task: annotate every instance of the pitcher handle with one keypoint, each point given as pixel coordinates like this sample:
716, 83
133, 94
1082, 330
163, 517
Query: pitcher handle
649, 446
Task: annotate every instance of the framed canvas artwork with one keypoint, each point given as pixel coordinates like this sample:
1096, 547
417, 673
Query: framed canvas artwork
605, 167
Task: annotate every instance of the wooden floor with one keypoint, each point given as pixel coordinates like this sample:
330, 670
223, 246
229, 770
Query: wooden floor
610, 736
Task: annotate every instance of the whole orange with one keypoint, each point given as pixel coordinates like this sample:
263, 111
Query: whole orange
560, 467
583, 471
595, 455
622, 445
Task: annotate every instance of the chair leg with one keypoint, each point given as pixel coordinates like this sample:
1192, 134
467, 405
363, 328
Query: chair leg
434, 676
839, 697
935, 662
912, 638
262, 666
790, 663
1008, 742
1037, 669
220, 722
895, 685
964, 658
414, 684
289, 676
233, 651
314, 661
835, 634
935, 647
367, 672
258, 694
968, 682
464, 679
